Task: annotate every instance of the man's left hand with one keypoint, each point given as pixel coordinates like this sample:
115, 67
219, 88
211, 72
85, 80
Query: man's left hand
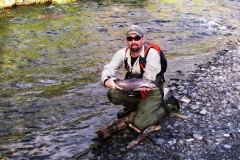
144, 92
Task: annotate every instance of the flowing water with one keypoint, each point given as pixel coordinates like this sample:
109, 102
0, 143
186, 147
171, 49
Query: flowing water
51, 57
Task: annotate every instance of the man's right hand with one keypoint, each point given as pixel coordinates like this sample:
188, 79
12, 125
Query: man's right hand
110, 83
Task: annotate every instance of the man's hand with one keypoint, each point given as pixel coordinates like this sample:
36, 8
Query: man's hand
110, 83
144, 92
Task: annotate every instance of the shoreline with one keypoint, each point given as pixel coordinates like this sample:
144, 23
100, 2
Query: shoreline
212, 130
15, 3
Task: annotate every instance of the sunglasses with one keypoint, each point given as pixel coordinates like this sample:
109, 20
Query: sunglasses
137, 38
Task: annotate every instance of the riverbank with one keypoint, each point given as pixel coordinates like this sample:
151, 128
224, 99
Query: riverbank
14, 3
210, 98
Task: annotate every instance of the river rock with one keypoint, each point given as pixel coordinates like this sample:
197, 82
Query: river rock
203, 112
194, 107
197, 137
236, 68
219, 140
226, 135
208, 142
159, 140
179, 143
185, 100
227, 146
190, 140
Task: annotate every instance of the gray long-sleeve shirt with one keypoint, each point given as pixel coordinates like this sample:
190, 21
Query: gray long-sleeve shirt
152, 68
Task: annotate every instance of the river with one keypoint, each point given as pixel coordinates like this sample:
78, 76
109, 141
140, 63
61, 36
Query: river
51, 57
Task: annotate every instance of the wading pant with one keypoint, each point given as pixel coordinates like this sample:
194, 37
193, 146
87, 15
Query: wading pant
148, 110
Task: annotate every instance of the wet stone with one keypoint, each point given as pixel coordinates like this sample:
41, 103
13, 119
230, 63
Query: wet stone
188, 153
185, 100
159, 141
194, 107
203, 112
205, 99
180, 155
185, 91
193, 95
208, 142
219, 140
179, 143
22, 85
197, 137
198, 97
227, 146
111, 157
190, 140
122, 149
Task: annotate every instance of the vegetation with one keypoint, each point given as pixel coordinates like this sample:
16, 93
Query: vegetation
13, 3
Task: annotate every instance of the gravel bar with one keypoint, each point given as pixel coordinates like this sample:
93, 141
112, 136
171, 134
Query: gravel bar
209, 97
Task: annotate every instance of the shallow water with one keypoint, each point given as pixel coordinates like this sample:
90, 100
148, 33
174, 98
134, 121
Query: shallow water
51, 100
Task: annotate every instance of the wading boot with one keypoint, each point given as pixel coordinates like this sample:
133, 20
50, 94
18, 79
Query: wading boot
123, 113
172, 105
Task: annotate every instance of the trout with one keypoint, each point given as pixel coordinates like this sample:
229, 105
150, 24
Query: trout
135, 84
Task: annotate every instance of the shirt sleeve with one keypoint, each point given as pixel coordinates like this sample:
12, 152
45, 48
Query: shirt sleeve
110, 69
153, 65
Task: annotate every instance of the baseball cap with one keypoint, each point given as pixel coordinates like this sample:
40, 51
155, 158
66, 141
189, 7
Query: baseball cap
135, 29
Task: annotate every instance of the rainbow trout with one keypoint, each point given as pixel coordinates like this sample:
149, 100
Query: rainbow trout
135, 84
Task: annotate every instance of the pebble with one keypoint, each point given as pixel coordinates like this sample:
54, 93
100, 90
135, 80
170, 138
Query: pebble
226, 135
190, 140
160, 141
233, 135
122, 149
185, 100
180, 155
194, 107
227, 146
203, 111
197, 137
179, 143
188, 153
208, 142
219, 140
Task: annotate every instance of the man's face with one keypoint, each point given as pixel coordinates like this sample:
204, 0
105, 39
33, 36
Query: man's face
135, 42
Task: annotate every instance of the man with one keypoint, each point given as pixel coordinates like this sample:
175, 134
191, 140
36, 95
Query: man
148, 105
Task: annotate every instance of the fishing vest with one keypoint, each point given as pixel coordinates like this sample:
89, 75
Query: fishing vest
142, 62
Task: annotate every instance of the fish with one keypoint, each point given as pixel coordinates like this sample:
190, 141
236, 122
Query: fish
135, 84
54, 15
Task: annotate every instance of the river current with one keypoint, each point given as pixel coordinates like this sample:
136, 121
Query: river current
51, 58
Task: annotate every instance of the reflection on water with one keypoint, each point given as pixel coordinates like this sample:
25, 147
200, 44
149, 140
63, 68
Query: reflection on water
51, 59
